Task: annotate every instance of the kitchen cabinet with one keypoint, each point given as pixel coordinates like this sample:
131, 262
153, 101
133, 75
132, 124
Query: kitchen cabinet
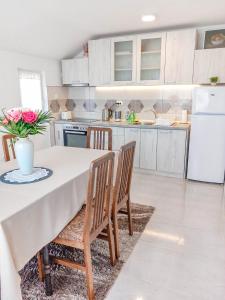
75, 71
180, 48
134, 134
59, 134
99, 53
171, 151
118, 138
151, 58
148, 147
208, 63
123, 60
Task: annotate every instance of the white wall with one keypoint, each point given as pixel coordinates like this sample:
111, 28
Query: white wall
10, 62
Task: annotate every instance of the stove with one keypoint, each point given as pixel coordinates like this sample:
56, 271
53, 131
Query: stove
84, 120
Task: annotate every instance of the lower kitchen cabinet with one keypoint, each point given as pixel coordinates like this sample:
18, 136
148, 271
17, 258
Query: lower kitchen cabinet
171, 151
59, 135
148, 149
117, 138
134, 134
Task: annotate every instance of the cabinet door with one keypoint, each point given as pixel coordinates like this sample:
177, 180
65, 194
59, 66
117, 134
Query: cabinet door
123, 60
209, 63
80, 71
67, 71
151, 58
180, 46
171, 151
59, 135
75, 71
148, 149
99, 52
133, 134
117, 138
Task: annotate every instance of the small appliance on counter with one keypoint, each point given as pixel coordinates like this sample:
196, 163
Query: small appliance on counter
106, 114
66, 115
118, 112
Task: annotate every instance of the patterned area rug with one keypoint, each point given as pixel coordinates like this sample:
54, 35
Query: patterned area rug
70, 284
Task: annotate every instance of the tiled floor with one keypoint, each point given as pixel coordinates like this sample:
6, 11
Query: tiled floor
181, 254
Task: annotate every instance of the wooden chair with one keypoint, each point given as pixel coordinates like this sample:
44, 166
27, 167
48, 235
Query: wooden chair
91, 219
7, 143
99, 138
121, 190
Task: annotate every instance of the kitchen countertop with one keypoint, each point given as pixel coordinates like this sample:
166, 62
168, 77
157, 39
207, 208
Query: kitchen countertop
176, 125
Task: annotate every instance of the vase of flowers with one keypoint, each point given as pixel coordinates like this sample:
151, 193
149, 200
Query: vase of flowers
23, 123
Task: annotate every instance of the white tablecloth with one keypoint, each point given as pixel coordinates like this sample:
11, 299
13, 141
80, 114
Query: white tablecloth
32, 215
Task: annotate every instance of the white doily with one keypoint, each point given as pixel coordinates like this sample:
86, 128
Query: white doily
15, 176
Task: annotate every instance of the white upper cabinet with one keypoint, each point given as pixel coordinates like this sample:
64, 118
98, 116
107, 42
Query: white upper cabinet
148, 148
151, 58
75, 71
180, 48
123, 60
99, 52
171, 151
209, 63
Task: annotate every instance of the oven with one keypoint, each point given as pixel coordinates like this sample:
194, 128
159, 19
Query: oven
75, 135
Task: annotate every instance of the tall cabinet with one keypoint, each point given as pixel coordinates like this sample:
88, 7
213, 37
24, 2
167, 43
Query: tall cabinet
180, 48
123, 60
99, 52
151, 58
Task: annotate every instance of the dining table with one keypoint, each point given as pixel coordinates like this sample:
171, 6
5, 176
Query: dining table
32, 215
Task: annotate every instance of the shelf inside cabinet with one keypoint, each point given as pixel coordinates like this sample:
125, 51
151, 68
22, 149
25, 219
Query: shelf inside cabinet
151, 52
123, 53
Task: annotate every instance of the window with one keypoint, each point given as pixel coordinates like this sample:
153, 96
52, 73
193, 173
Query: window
31, 89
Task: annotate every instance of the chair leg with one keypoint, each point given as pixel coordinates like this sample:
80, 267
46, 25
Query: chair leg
111, 244
116, 235
89, 274
41, 273
129, 216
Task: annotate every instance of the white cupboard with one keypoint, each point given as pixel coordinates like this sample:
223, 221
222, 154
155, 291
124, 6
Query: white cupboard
209, 63
171, 151
134, 134
148, 148
180, 48
118, 138
123, 60
151, 58
75, 71
99, 52
59, 134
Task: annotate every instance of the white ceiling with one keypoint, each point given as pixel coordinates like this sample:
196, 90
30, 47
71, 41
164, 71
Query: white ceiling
58, 28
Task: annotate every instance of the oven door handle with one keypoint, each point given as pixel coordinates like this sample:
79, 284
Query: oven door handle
75, 132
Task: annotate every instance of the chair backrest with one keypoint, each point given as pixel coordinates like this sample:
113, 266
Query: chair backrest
8, 146
99, 196
99, 138
123, 174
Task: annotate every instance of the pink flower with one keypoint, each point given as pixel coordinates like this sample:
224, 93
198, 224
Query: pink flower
5, 121
29, 116
14, 115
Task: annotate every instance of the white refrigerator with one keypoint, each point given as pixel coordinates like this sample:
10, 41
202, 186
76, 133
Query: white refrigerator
206, 160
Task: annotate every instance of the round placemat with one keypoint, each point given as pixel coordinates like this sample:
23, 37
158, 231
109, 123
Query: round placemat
15, 176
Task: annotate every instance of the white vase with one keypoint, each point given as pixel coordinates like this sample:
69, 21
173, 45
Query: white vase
24, 149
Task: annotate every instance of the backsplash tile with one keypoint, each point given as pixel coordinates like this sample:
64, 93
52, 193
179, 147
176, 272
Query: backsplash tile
136, 106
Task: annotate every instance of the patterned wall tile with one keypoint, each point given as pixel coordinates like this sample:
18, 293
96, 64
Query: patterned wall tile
70, 104
110, 104
89, 105
136, 106
187, 105
54, 106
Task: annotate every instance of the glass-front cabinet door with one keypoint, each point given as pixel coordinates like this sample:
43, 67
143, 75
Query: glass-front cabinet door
123, 60
151, 58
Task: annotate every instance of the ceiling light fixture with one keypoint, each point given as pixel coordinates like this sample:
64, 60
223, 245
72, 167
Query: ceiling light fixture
148, 18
